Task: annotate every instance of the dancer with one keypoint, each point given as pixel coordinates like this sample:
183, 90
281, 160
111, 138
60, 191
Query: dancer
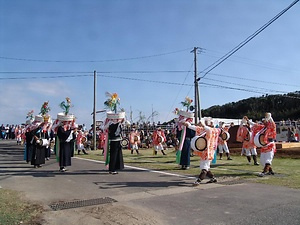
264, 137
37, 138
205, 128
64, 127
184, 134
135, 140
113, 130
158, 138
80, 140
244, 135
222, 143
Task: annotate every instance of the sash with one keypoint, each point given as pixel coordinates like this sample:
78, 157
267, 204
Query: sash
182, 137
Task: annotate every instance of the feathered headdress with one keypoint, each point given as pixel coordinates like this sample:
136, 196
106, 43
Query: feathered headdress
30, 115
187, 103
45, 108
66, 105
112, 101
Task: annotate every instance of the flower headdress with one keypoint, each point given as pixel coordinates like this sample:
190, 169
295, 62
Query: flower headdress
187, 103
176, 111
112, 101
30, 115
66, 105
45, 108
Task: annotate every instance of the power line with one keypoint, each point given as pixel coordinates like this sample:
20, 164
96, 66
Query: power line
253, 80
94, 61
248, 86
243, 89
253, 62
239, 46
89, 74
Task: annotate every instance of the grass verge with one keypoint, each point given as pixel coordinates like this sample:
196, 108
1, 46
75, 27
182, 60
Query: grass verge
287, 170
14, 210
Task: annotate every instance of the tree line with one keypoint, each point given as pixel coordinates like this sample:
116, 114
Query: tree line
282, 107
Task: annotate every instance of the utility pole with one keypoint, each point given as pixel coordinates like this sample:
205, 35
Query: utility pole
94, 112
196, 94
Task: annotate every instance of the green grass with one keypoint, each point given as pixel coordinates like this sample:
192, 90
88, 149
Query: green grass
13, 210
287, 170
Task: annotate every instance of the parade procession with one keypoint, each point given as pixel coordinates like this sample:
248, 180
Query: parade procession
44, 136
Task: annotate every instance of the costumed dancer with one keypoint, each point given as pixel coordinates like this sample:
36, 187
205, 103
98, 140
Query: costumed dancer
222, 142
64, 128
80, 140
28, 137
244, 135
113, 131
37, 138
184, 134
46, 129
264, 137
135, 140
40, 136
210, 135
158, 138
18, 134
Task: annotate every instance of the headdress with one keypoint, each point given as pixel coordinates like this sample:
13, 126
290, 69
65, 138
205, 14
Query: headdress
66, 105
65, 115
44, 111
111, 103
29, 117
185, 113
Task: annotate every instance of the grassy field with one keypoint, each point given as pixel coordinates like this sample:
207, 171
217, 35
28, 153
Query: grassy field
287, 170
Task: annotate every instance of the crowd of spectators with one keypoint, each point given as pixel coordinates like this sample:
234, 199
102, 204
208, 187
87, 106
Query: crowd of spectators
8, 131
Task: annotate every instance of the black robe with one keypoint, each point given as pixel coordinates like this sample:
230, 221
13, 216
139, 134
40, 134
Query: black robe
65, 151
38, 152
115, 149
29, 146
186, 148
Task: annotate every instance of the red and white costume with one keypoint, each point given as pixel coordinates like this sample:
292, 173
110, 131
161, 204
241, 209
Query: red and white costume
207, 155
102, 138
158, 139
267, 152
134, 139
79, 140
245, 135
222, 144
211, 136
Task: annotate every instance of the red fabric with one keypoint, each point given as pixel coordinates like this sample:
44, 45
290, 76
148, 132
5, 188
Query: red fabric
156, 135
212, 135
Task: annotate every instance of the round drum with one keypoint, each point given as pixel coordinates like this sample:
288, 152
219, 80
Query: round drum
43, 142
160, 139
225, 136
248, 136
83, 140
198, 143
136, 138
259, 140
124, 143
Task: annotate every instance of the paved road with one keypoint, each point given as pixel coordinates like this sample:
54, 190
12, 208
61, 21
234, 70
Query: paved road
137, 196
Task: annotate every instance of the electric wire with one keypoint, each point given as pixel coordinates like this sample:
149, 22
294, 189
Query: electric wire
243, 43
94, 61
175, 99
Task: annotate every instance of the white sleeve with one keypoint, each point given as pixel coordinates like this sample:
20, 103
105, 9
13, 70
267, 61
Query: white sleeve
192, 127
251, 122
